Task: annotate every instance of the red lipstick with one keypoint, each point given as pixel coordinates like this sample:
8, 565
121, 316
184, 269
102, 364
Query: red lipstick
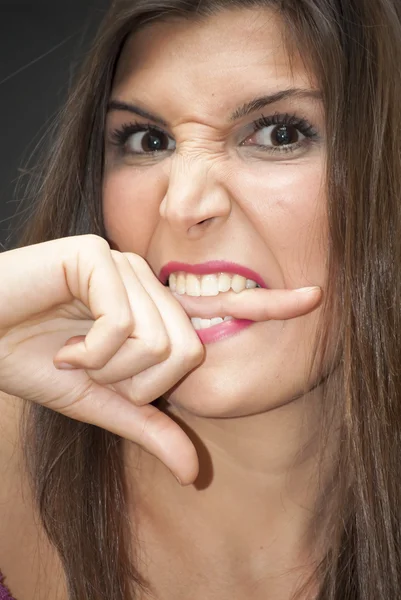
226, 329
213, 266
223, 331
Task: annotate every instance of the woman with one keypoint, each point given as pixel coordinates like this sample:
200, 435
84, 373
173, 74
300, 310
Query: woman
233, 321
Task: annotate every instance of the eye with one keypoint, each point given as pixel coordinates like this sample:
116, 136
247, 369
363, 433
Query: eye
151, 140
141, 139
281, 133
277, 135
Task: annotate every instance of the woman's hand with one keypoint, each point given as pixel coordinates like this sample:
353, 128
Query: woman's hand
128, 340
91, 333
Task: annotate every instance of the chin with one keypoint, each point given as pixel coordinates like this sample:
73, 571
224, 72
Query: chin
258, 371
231, 392
217, 399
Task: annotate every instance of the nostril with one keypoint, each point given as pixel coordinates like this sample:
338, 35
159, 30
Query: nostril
208, 221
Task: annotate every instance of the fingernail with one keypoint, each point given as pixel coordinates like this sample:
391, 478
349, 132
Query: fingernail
308, 290
64, 366
75, 340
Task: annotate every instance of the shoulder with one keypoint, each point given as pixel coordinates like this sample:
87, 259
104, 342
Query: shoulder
28, 562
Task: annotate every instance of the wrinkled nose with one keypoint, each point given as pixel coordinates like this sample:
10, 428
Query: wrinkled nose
195, 197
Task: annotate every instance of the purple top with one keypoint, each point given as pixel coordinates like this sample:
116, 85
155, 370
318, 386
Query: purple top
4, 592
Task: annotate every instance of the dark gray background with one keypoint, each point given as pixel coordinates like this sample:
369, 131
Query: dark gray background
41, 43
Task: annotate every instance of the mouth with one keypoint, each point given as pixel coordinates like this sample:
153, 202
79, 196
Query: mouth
208, 285
218, 271
208, 280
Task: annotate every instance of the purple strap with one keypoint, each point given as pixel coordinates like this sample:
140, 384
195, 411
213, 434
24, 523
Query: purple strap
4, 592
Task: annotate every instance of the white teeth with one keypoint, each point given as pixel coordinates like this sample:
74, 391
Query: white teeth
238, 283
181, 284
250, 285
208, 285
199, 323
224, 282
193, 287
173, 282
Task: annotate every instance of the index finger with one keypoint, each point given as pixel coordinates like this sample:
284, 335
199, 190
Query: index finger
257, 304
93, 278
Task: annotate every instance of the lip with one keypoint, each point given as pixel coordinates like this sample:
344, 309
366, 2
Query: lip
209, 268
223, 331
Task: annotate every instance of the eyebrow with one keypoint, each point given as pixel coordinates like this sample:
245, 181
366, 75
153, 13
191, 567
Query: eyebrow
136, 110
263, 101
239, 113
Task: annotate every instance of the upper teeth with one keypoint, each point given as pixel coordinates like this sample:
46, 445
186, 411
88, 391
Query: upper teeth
208, 285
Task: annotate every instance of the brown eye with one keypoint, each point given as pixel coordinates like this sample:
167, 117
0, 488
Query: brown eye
284, 135
276, 135
150, 141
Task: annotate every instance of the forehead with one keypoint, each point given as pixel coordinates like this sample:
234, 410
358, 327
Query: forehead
211, 64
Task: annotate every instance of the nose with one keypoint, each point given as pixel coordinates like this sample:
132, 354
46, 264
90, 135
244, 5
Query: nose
195, 197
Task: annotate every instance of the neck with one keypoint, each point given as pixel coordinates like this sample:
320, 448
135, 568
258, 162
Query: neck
256, 499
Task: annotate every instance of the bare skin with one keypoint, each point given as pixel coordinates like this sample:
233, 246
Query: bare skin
245, 528
236, 426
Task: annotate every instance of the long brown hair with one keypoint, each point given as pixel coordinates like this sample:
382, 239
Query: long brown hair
354, 49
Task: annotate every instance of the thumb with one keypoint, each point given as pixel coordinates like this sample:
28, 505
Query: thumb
146, 426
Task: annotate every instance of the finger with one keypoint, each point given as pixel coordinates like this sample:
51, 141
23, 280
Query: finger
155, 382
187, 352
256, 304
96, 282
148, 344
147, 426
178, 326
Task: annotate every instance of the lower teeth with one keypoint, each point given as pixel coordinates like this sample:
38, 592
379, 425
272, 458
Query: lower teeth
207, 323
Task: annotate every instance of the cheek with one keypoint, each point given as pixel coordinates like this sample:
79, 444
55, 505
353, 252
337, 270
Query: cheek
131, 208
287, 206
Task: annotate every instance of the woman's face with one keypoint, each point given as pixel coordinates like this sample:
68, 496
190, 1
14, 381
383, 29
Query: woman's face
216, 171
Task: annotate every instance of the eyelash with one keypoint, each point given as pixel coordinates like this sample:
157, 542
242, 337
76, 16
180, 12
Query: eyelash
120, 136
301, 124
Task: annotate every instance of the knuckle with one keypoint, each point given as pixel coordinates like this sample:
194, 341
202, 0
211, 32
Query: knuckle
152, 427
158, 346
144, 432
136, 395
122, 324
93, 363
192, 356
98, 376
136, 398
118, 257
137, 261
161, 351
91, 241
